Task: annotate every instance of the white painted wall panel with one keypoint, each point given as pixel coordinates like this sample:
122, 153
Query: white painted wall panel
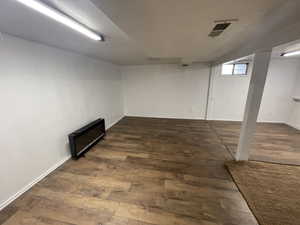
294, 119
168, 91
45, 94
228, 96
229, 93
171, 91
277, 99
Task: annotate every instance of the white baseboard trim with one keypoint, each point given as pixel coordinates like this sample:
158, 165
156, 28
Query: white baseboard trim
113, 123
31, 184
259, 121
293, 126
166, 117
43, 175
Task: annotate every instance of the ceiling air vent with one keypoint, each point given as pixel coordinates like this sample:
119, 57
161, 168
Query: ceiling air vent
221, 26
218, 29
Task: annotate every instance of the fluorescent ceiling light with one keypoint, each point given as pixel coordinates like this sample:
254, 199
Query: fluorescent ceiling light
291, 53
61, 18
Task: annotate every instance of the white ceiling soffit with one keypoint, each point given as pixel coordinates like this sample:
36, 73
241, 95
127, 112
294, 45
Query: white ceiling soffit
18, 20
281, 28
176, 28
287, 47
156, 31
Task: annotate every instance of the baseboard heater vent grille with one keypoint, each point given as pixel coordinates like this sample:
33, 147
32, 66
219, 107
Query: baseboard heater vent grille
86, 137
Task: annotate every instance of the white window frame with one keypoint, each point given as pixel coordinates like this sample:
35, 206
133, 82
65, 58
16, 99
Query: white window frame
232, 73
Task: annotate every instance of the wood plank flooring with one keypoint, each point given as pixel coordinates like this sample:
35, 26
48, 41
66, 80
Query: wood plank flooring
273, 142
145, 172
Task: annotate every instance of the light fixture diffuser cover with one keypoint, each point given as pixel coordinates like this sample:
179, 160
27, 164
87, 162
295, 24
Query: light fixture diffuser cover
61, 18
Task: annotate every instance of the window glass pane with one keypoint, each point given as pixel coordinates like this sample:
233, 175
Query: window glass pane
227, 69
240, 69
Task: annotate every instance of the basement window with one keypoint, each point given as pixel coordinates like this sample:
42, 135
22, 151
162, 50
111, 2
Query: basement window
235, 69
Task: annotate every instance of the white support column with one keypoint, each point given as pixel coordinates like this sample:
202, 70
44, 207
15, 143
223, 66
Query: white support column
255, 93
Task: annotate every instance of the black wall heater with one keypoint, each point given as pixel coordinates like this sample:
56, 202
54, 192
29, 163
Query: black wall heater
86, 137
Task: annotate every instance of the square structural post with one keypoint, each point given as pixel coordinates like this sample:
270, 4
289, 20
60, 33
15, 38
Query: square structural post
255, 93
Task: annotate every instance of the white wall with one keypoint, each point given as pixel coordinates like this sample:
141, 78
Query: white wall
168, 91
277, 98
229, 93
294, 119
45, 94
174, 92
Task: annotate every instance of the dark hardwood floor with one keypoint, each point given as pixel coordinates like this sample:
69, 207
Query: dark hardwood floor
273, 142
145, 172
